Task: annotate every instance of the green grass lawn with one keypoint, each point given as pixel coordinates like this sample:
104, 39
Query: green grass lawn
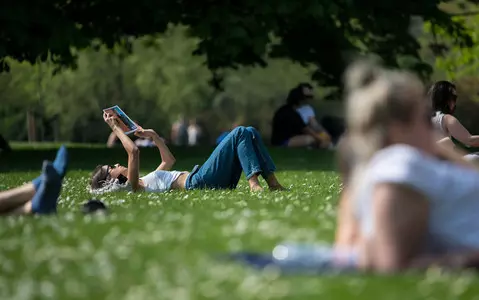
162, 246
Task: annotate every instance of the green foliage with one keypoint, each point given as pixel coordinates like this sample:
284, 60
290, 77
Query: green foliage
325, 34
155, 85
458, 61
452, 59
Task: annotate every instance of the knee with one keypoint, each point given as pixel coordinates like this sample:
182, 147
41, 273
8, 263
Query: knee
252, 129
239, 130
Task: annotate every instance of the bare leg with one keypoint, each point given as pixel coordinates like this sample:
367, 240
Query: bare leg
301, 141
16, 197
254, 185
273, 183
25, 209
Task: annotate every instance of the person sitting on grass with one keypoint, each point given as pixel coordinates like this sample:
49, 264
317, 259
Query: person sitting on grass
39, 196
407, 203
289, 128
443, 97
241, 150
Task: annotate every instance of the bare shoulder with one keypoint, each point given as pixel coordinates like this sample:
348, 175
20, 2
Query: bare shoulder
450, 119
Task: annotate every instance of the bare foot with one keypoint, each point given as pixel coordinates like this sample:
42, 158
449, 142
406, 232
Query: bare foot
256, 188
277, 187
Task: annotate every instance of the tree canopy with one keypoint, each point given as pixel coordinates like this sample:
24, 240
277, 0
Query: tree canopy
322, 33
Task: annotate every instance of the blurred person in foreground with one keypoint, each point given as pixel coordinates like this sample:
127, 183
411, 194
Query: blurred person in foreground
406, 201
295, 125
241, 151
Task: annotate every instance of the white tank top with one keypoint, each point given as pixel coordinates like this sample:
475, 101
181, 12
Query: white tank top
160, 181
452, 191
438, 122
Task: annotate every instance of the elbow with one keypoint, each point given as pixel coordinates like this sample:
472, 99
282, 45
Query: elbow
135, 151
170, 163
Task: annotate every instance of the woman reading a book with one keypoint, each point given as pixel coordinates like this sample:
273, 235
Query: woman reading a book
241, 151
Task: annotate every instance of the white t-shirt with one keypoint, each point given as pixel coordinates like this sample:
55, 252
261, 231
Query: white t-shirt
306, 112
452, 190
160, 181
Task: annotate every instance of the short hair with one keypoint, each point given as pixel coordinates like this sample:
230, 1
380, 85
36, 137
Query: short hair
296, 95
440, 94
98, 177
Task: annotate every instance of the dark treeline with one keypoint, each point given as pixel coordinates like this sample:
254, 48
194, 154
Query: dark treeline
128, 55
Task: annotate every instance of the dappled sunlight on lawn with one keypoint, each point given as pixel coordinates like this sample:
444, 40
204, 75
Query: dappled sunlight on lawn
164, 246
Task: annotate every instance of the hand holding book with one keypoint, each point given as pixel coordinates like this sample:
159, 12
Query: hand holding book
111, 120
145, 133
114, 116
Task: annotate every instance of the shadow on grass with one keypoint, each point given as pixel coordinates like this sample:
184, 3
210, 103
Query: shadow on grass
83, 158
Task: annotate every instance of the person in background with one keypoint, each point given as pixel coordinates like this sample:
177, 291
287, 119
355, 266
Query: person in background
179, 132
443, 98
194, 133
335, 126
144, 142
289, 126
307, 113
140, 142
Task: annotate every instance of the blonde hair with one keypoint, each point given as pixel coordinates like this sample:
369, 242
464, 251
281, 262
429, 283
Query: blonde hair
375, 98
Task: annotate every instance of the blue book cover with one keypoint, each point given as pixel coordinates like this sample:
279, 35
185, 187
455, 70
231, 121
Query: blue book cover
126, 124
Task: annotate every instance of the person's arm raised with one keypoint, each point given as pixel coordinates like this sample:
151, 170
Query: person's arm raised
459, 132
131, 149
110, 143
167, 158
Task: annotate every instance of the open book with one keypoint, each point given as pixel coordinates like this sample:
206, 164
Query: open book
126, 124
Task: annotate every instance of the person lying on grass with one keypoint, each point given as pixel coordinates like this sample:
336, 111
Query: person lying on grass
39, 196
241, 150
407, 202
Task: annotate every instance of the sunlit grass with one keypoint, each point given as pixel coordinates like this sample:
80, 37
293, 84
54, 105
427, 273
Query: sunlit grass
163, 246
